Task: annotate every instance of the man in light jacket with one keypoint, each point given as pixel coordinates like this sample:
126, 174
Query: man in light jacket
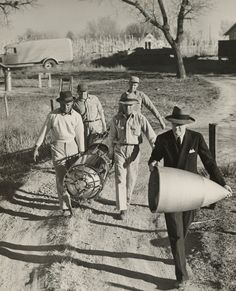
67, 134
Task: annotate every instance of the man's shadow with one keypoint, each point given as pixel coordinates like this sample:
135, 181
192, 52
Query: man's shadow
18, 252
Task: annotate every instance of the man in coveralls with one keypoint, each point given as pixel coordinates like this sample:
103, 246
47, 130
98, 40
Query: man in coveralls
142, 98
67, 139
92, 114
179, 148
124, 139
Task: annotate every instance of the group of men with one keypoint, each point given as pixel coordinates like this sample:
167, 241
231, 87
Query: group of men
73, 133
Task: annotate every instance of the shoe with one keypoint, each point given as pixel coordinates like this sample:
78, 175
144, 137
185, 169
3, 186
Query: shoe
65, 212
123, 214
128, 201
182, 285
71, 211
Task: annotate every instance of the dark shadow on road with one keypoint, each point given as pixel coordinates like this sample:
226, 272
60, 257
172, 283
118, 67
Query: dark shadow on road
160, 242
121, 226
28, 216
105, 201
8, 250
98, 212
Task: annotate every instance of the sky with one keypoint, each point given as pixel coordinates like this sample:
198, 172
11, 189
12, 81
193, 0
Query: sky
60, 16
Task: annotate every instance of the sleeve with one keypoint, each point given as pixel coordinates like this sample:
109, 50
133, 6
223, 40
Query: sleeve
158, 151
209, 162
148, 131
111, 137
79, 132
101, 113
150, 106
44, 130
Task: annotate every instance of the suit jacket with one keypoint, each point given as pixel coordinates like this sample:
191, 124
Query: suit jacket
186, 158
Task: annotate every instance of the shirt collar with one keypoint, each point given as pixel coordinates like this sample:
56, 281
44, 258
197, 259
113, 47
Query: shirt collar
63, 113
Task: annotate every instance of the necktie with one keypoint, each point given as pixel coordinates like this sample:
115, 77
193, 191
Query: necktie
179, 143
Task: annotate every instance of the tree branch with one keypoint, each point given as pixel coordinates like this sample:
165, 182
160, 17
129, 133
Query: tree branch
8, 5
146, 15
180, 21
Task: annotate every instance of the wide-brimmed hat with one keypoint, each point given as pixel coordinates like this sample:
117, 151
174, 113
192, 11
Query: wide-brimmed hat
65, 97
179, 117
129, 101
134, 79
83, 87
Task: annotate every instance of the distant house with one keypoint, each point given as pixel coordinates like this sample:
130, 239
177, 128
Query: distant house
231, 32
150, 42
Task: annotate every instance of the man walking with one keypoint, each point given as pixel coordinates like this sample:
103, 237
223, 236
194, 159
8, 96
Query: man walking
179, 147
92, 114
67, 133
124, 139
142, 99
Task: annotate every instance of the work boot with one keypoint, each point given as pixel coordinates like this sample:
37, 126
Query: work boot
123, 214
182, 285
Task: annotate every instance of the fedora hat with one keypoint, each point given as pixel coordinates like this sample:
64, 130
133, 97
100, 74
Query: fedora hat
129, 101
83, 87
179, 117
65, 97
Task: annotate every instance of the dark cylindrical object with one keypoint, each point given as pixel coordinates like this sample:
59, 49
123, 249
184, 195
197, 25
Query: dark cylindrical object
52, 104
212, 139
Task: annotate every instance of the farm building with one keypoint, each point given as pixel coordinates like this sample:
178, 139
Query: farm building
150, 42
227, 48
231, 32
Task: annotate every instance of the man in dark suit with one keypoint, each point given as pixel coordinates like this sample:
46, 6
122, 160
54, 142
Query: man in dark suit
179, 148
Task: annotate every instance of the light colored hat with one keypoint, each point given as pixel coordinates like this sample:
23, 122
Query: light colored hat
134, 79
129, 101
179, 117
83, 87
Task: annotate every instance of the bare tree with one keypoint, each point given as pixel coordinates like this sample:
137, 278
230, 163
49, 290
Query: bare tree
139, 30
103, 27
169, 17
8, 6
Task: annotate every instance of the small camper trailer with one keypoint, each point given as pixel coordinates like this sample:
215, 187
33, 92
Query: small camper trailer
48, 52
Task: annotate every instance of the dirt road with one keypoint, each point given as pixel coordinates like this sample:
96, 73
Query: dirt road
40, 250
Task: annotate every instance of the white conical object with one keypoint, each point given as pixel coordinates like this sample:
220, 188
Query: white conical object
174, 190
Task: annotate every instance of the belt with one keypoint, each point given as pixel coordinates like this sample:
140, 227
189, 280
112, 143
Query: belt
126, 144
92, 120
62, 141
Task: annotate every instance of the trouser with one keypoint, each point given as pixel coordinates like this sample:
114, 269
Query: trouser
126, 158
60, 152
91, 129
177, 227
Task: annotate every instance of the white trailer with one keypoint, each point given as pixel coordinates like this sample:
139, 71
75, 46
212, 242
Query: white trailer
48, 52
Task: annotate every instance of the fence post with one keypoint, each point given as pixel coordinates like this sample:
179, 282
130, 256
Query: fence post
212, 139
6, 104
40, 80
7, 74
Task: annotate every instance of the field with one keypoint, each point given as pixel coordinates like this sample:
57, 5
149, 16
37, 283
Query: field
94, 244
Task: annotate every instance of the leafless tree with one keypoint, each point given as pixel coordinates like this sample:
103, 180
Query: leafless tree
169, 16
103, 27
8, 6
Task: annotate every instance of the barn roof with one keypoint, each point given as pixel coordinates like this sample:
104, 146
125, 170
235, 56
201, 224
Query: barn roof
231, 28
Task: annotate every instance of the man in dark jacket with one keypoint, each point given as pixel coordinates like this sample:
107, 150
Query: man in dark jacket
179, 147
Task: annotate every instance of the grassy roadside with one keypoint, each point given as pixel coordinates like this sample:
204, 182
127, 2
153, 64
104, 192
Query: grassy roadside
212, 256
